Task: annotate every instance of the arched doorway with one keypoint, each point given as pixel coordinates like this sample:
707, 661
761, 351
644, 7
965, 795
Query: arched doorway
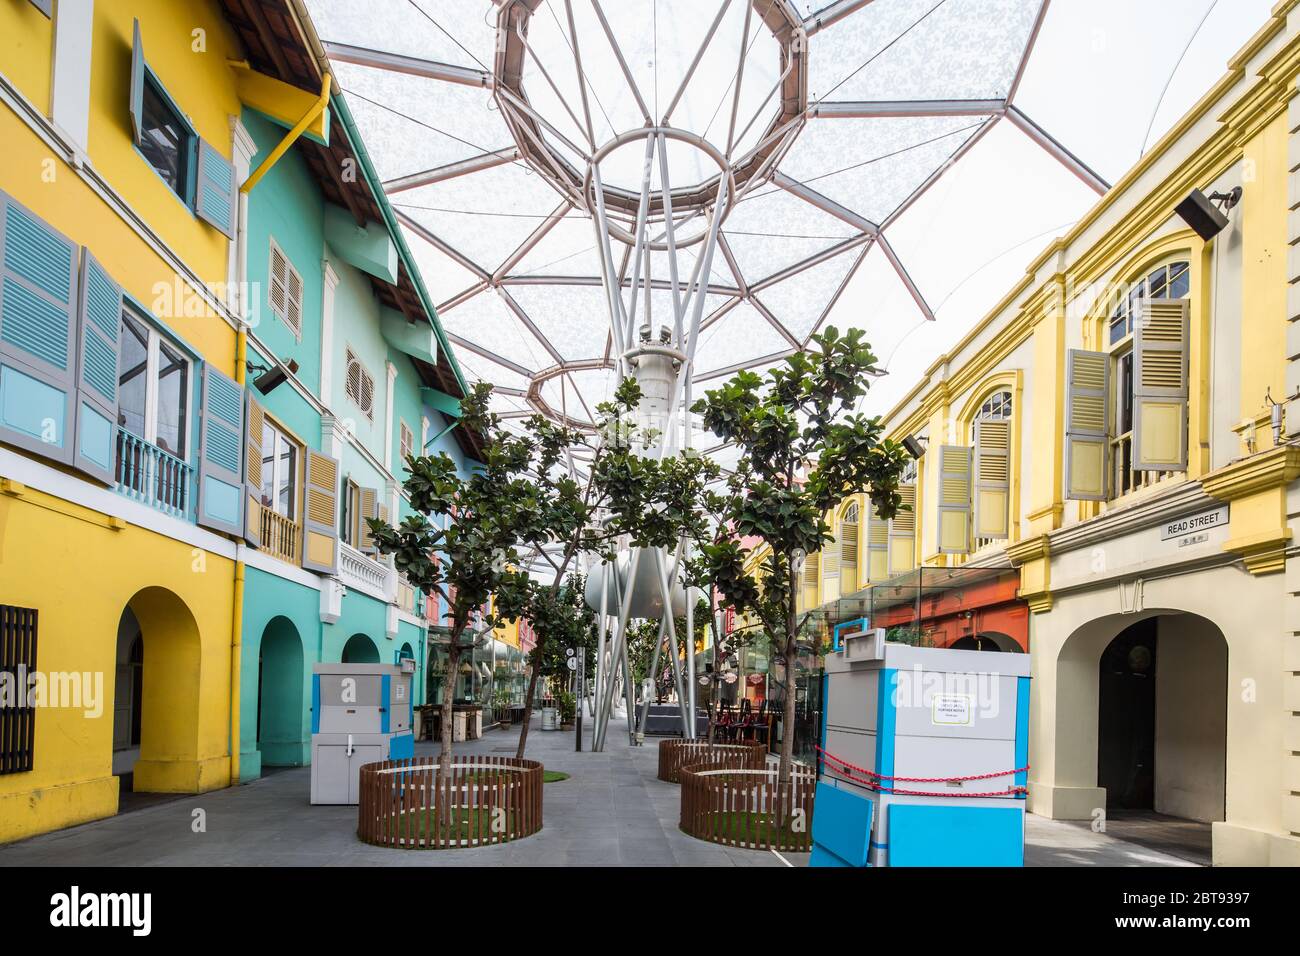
280, 695
128, 696
360, 649
1140, 727
1162, 718
156, 695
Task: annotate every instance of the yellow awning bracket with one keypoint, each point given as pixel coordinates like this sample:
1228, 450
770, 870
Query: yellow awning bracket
291, 137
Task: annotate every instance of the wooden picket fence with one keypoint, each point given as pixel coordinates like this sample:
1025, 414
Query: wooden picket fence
745, 807
485, 799
676, 754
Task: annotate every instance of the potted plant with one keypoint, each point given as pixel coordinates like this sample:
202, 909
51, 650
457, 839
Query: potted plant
568, 708
501, 701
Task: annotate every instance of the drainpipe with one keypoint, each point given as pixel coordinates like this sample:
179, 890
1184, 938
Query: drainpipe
291, 137
237, 612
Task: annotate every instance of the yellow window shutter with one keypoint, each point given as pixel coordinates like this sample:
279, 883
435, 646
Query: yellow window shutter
954, 499
831, 571
877, 546
992, 478
1160, 335
902, 532
1087, 425
320, 519
849, 550
811, 571
254, 419
369, 509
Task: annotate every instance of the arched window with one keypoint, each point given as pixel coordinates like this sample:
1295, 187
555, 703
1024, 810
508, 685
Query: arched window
992, 497
1169, 281
849, 549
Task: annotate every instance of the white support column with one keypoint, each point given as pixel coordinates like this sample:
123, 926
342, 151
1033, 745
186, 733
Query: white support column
70, 85
388, 417
239, 297
329, 284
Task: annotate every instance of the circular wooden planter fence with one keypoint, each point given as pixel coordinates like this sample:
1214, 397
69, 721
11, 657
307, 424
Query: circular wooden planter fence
484, 800
676, 754
746, 807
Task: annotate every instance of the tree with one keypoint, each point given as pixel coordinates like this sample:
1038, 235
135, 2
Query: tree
470, 555
803, 450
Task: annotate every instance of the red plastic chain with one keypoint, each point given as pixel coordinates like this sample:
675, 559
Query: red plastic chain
847, 769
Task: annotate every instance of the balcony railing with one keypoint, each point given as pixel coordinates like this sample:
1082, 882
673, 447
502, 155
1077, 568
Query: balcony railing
361, 572
281, 536
1124, 479
151, 476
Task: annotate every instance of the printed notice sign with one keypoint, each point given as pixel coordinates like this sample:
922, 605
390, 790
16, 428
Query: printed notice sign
954, 710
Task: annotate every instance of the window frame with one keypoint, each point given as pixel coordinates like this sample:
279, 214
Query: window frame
153, 351
279, 435
350, 530
191, 145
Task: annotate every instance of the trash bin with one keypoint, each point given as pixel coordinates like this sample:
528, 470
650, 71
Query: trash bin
550, 718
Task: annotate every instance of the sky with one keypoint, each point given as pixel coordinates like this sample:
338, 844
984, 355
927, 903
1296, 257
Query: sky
1107, 78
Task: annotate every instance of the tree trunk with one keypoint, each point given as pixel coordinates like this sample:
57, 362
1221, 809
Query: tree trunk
537, 653
442, 798
787, 719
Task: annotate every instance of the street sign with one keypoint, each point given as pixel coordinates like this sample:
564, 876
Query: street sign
573, 663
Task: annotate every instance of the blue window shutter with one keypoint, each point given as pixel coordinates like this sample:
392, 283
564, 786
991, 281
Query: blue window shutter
221, 475
215, 197
99, 326
137, 83
38, 293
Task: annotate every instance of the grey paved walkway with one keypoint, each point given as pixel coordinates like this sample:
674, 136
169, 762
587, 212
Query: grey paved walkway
612, 811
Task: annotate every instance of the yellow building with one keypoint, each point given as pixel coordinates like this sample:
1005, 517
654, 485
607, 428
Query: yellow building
1107, 430
120, 361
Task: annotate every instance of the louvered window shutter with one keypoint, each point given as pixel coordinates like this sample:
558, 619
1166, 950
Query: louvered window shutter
811, 571
279, 283
1160, 335
902, 532
367, 396
849, 551
38, 358
992, 478
99, 328
45, 6
369, 509
1087, 425
877, 545
954, 499
216, 198
293, 300
254, 461
137, 84
320, 524
831, 571
221, 474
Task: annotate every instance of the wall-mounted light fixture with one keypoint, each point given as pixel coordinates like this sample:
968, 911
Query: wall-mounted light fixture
269, 379
1203, 215
914, 446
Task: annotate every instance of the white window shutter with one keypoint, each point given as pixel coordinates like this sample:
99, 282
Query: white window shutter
992, 479
1160, 337
1087, 425
954, 499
